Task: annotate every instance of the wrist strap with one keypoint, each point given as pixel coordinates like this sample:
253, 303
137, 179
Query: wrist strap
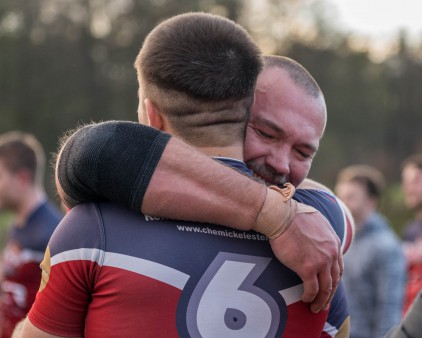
278, 211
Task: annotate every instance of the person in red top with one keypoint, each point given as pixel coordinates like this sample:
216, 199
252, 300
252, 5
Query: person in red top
22, 164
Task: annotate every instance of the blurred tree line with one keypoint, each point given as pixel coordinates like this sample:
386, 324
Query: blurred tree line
68, 62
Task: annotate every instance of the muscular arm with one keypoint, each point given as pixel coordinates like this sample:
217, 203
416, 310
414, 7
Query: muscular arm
147, 171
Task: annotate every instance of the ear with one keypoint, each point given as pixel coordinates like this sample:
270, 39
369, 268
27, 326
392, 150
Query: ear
154, 115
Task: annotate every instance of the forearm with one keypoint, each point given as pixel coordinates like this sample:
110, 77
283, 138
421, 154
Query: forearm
180, 182
201, 189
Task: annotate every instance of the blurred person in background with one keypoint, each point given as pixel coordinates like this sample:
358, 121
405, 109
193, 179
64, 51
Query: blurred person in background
375, 269
22, 164
412, 189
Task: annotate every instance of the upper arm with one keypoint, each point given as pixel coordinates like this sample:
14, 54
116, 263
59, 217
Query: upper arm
70, 267
113, 160
27, 329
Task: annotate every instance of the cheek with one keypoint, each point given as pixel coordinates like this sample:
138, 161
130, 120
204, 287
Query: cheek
299, 171
254, 148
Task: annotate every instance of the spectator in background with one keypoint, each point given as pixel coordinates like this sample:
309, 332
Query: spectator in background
22, 164
412, 189
375, 270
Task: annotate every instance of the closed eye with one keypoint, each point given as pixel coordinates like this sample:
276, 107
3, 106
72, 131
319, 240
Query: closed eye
263, 134
305, 155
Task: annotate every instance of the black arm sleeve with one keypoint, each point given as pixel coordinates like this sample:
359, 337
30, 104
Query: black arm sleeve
113, 160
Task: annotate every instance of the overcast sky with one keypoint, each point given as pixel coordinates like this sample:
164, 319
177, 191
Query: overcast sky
379, 18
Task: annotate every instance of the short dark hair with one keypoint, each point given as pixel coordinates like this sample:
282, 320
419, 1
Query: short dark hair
20, 151
369, 177
200, 70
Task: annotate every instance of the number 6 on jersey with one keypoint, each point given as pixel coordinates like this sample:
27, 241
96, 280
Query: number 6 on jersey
225, 302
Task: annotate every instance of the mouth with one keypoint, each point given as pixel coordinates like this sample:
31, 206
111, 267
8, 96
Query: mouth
277, 181
260, 178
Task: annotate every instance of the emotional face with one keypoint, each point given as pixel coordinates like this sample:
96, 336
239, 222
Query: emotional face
284, 129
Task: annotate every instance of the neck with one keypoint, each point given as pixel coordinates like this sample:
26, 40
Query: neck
235, 152
34, 197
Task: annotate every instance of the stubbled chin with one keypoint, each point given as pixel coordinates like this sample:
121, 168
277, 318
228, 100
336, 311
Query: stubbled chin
280, 183
260, 179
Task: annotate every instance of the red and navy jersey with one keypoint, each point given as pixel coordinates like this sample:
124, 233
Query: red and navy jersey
113, 273
21, 257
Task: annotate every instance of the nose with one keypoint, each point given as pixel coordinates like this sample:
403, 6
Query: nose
279, 160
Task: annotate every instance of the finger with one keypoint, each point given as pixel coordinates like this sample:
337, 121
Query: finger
324, 292
336, 272
341, 263
335, 279
310, 286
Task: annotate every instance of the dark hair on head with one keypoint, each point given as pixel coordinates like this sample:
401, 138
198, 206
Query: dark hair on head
205, 56
200, 70
415, 159
369, 177
296, 71
21, 151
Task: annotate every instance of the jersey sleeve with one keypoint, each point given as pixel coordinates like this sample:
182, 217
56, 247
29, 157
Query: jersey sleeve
113, 160
337, 324
71, 265
337, 214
